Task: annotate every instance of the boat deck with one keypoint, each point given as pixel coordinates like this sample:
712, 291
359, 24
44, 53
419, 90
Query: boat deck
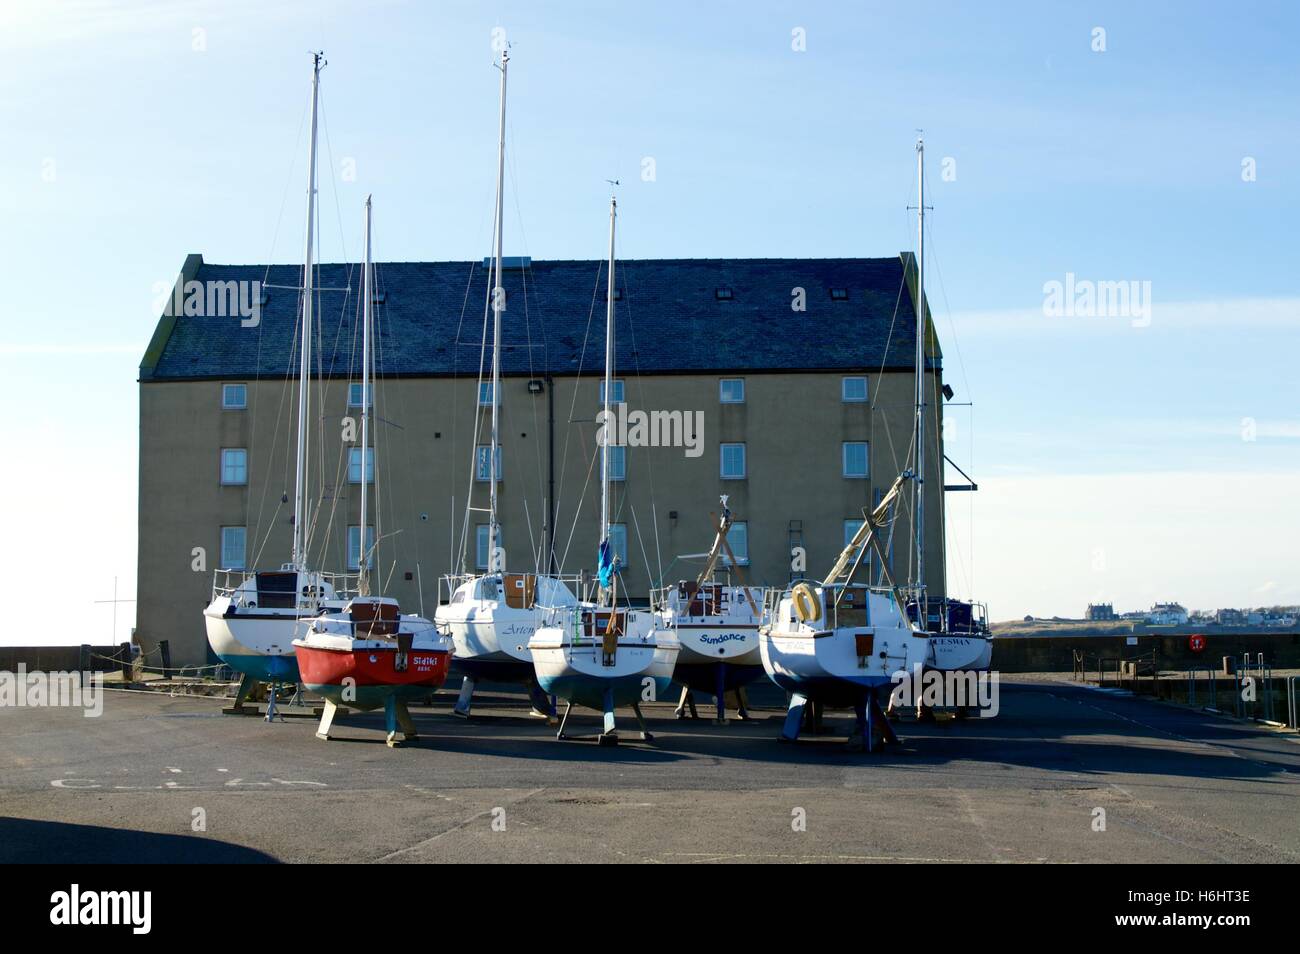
1175, 784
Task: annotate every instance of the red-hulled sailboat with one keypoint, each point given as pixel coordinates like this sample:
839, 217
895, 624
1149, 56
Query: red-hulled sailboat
369, 655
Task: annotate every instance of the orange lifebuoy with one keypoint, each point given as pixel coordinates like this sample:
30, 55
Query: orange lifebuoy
1196, 643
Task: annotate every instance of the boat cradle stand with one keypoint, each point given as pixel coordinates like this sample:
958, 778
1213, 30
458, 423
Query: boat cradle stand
720, 694
543, 705
396, 716
609, 734
271, 709
869, 721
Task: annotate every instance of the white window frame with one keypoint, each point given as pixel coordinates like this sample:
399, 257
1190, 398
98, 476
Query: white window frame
617, 461
844, 389
851, 526
618, 543
480, 458
620, 392
482, 539
242, 466
227, 389
722, 391
355, 395
742, 559
722, 461
354, 544
866, 460
226, 547
354, 465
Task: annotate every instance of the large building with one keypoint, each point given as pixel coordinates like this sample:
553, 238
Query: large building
793, 378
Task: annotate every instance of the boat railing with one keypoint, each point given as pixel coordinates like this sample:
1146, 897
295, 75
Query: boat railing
229, 582
449, 583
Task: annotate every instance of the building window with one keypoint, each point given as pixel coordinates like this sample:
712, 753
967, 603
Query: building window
354, 547
618, 391
234, 466
481, 553
839, 294
733, 462
234, 541
723, 294
617, 462
731, 391
354, 394
851, 527
738, 540
889, 551
853, 390
354, 465
481, 463
618, 542
485, 394
234, 397
855, 459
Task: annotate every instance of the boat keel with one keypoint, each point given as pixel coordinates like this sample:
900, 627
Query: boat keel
397, 716
463, 701
326, 720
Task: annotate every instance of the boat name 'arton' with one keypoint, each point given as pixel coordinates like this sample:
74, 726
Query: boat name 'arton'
723, 638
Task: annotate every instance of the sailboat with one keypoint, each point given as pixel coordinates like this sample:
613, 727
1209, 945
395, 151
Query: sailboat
597, 654
839, 642
958, 629
367, 653
491, 616
254, 616
716, 623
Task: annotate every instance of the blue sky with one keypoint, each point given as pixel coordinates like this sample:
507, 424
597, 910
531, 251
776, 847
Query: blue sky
138, 132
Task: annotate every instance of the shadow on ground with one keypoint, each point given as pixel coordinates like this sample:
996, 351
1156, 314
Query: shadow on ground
25, 841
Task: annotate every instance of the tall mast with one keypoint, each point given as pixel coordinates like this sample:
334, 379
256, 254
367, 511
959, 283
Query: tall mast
498, 294
304, 363
609, 378
919, 476
367, 293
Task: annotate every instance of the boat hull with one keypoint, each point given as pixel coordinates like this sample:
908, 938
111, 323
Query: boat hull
373, 674
490, 637
954, 652
261, 646
575, 669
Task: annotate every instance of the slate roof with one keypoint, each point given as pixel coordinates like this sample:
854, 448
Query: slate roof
669, 319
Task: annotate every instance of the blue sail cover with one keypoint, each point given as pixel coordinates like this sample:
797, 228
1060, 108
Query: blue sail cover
605, 563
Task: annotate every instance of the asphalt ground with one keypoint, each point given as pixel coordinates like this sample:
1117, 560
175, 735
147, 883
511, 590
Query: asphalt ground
1062, 774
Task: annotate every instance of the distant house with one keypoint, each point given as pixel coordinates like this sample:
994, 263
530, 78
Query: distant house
1227, 617
1284, 621
1097, 612
1167, 614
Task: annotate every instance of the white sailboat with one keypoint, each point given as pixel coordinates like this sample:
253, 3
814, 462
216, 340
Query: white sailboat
368, 654
597, 654
716, 623
958, 630
840, 643
254, 616
491, 616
